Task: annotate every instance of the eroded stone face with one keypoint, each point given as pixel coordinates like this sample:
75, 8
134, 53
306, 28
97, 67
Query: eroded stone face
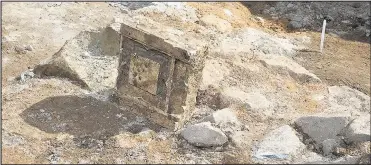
157, 76
179, 88
143, 73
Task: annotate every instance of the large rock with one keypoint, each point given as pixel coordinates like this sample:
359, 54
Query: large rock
253, 101
204, 135
282, 143
226, 120
321, 128
249, 42
296, 71
169, 10
159, 73
214, 72
214, 21
344, 98
90, 58
358, 130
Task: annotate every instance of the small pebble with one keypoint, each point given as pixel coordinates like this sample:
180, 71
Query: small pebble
19, 50
228, 12
29, 48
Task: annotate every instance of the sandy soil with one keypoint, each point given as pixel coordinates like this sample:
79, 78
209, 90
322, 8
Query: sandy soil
343, 62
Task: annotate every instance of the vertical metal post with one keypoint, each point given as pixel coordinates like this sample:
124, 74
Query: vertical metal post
323, 35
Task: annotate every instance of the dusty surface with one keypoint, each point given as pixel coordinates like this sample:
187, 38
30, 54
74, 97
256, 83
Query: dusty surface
46, 28
53, 120
342, 62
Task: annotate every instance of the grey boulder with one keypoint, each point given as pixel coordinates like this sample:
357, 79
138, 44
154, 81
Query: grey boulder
319, 128
204, 135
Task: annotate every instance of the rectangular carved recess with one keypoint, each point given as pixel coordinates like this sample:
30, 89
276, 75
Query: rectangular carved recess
152, 72
145, 73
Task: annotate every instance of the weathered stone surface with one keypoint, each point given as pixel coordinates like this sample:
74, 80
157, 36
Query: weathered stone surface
9, 139
214, 72
365, 159
329, 145
204, 135
226, 120
321, 128
257, 101
349, 160
282, 143
358, 130
171, 10
90, 58
210, 97
160, 75
345, 160
239, 138
308, 157
254, 101
144, 73
295, 70
214, 21
343, 98
253, 42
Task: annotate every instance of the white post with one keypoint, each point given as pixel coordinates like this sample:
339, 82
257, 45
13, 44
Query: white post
323, 35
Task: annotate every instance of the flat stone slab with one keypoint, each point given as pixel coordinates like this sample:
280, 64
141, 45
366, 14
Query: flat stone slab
295, 70
321, 128
280, 144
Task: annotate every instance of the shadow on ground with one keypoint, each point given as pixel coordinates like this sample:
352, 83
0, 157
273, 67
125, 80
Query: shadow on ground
84, 117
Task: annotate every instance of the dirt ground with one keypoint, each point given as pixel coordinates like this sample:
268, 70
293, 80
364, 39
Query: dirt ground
46, 26
342, 62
